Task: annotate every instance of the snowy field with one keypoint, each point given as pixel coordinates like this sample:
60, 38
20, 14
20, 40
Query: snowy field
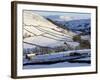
61, 64
57, 65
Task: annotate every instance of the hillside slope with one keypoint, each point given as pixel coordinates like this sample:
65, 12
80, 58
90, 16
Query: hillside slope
40, 31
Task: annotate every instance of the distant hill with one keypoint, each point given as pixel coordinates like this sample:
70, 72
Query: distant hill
81, 26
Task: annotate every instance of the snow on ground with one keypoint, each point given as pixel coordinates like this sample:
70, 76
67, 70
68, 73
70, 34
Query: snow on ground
87, 58
86, 37
43, 32
57, 65
37, 24
59, 55
43, 41
26, 46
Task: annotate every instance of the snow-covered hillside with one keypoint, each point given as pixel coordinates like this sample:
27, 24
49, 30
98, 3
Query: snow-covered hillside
41, 32
79, 25
34, 22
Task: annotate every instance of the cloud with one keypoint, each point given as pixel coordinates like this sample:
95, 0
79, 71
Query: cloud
67, 18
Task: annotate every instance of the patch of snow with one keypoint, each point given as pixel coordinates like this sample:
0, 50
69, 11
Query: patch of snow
86, 37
